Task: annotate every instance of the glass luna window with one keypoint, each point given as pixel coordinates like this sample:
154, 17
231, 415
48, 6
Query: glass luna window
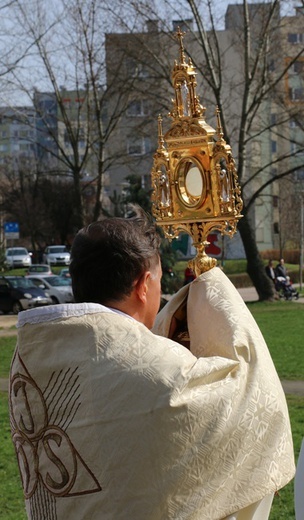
191, 183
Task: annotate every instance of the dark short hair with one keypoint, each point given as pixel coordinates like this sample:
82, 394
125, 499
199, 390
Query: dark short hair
108, 256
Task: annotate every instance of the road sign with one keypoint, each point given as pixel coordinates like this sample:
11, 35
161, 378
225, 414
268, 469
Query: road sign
11, 230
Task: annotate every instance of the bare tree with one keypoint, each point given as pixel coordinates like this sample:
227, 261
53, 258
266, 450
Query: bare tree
64, 77
11, 54
243, 73
43, 207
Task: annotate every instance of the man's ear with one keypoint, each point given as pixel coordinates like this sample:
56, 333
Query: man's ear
141, 286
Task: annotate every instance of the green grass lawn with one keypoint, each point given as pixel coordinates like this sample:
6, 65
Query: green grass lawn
283, 503
23, 270
282, 325
7, 346
230, 267
11, 496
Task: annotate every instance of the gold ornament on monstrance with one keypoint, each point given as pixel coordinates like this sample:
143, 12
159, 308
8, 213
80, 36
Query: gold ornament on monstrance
194, 178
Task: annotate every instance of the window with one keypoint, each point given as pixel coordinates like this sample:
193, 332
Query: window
184, 25
275, 201
293, 123
259, 234
273, 119
14, 251
138, 107
273, 146
135, 146
142, 70
24, 147
276, 229
66, 139
137, 69
139, 145
295, 38
296, 149
297, 67
271, 66
300, 174
296, 94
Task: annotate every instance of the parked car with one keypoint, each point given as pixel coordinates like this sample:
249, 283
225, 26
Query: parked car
19, 294
65, 272
56, 255
58, 287
17, 257
39, 270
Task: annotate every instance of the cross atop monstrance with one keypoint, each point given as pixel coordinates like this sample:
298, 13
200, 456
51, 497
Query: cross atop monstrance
194, 178
180, 36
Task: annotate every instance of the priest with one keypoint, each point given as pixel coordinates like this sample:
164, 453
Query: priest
112, 420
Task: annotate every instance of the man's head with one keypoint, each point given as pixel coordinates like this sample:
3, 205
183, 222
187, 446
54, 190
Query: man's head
114, 257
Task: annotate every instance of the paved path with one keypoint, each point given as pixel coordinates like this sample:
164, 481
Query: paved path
7, 321
249, 294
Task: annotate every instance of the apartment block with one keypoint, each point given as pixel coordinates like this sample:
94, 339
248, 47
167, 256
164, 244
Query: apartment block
142, 63
18, 133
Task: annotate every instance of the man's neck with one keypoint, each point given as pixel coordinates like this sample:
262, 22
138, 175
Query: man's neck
127, 307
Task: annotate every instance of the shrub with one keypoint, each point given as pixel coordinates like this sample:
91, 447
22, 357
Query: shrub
291, 256
240, 280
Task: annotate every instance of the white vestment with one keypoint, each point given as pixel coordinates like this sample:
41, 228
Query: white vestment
112, 422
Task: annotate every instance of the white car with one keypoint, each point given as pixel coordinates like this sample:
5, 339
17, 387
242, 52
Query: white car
17, 257
58, 287
56, 255
39, 270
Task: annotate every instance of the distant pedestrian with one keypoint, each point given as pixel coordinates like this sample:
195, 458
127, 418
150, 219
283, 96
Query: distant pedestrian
284, 283
270, 271
281, 270
189, 275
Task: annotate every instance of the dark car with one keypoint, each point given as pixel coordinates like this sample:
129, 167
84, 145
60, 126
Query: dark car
18, 294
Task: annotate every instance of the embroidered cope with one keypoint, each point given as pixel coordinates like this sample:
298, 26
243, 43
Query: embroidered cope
111, 421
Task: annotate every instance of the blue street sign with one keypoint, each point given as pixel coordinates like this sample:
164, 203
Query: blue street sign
11, 229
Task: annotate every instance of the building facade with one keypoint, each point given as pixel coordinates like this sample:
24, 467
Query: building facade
138, 89
290, 141
148, 59
18, 133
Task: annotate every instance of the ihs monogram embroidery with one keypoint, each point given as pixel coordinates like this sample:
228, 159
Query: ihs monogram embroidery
49, 463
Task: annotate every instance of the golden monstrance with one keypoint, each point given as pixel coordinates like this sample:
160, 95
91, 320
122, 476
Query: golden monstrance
194, 178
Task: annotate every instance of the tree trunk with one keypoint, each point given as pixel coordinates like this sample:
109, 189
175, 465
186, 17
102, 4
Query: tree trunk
255, 265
